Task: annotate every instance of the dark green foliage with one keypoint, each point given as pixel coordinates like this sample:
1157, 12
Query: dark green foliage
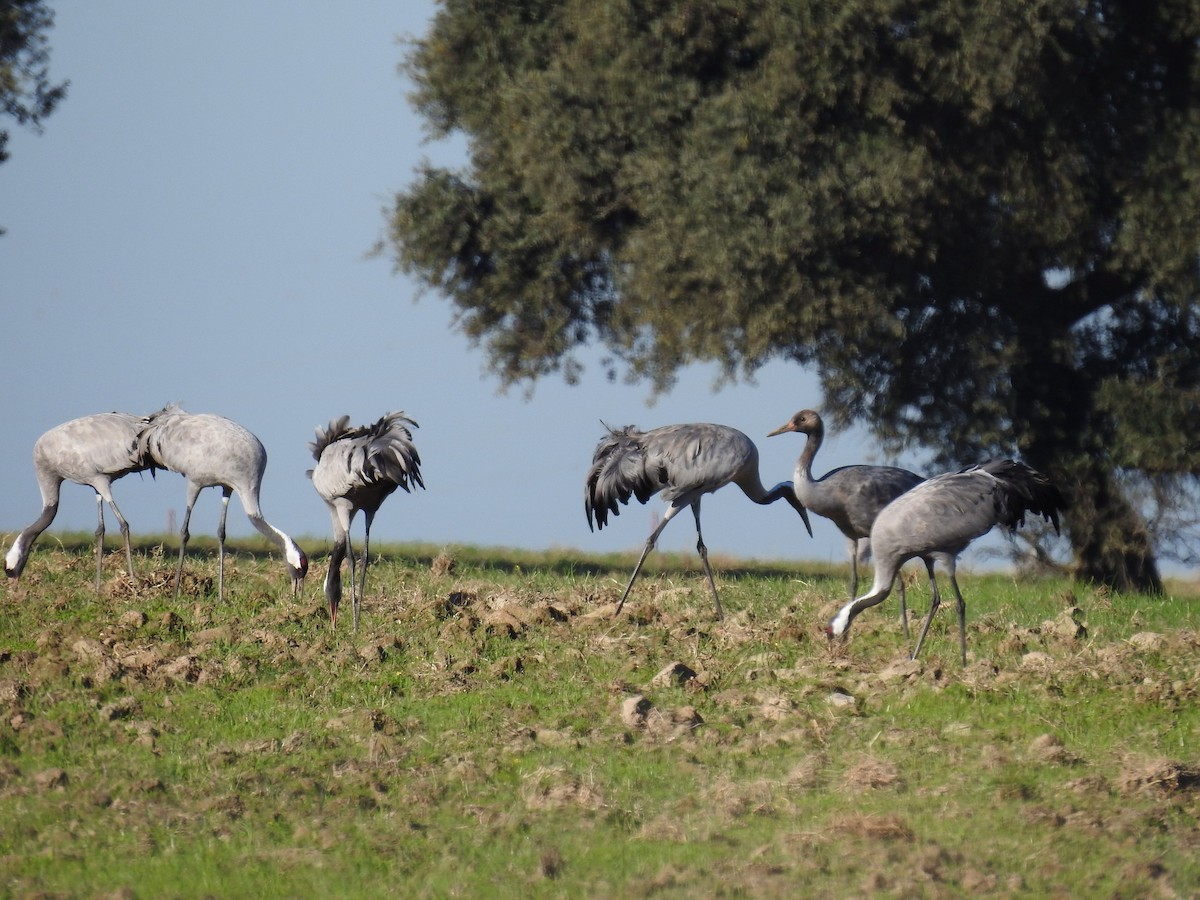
977, 222
26, 94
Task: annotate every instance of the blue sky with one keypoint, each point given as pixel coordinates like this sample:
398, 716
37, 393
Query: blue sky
194, 226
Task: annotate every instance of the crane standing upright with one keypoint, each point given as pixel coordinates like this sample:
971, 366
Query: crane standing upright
213, 451
850, 496
94, 451
359, 468
939, 518
683, 462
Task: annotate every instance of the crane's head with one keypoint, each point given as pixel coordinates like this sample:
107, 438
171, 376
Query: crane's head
297, 564
807, 421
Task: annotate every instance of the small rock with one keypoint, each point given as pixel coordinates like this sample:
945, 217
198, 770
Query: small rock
51, 779
1147, 640
1067, 625
1049, 748
634, 711
840, 699
12, 690
133, 619
221, 634
900, 669
182, 668
119, 709
1036, 659
88, 648
674, 673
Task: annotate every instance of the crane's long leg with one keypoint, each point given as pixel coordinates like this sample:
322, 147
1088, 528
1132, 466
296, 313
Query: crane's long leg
903, 605
124, 534
650, 541
852, 548
962, 618
353, 562
99, 538
366, 555
184, 535
934, 602
225, 492
703, 551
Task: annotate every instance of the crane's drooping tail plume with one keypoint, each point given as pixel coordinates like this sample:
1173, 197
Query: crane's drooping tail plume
1022, 489
683, 462
939, 518
358, 468
619, 470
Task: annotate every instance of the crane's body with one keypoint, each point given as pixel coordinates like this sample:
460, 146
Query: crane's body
850, 496
683, 463
939, 518
357, 469
94, 451
213, 451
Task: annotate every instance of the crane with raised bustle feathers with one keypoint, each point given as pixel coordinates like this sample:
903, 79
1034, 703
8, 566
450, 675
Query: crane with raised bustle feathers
939, 518
212, 451
359, 468
850, 496
94, 451
683, 462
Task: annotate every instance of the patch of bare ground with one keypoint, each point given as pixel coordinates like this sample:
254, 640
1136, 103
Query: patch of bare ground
871, 773
555, 788
1158, 776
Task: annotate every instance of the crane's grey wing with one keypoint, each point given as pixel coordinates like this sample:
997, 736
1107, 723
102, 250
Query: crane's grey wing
857, 494
101, 444
698, 458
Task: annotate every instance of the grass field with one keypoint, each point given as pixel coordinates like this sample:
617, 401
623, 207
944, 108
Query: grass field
492, 730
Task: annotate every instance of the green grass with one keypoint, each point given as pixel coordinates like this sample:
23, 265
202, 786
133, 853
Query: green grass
470, 741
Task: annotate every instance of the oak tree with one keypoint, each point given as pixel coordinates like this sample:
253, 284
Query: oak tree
977, 222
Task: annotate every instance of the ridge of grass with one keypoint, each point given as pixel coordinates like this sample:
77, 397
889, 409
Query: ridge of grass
492, 730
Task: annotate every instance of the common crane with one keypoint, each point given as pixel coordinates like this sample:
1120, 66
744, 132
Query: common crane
938, 518
94, 451
683, 462
358, 468
850, 496
213, 451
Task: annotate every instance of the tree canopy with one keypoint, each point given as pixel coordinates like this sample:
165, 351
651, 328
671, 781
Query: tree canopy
26, 94
978, 223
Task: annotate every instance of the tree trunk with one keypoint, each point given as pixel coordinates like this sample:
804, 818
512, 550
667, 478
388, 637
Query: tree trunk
1060, 432
1110, 541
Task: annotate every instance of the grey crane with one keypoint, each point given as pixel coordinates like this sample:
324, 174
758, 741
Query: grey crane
938, 518
94, 451
359, 468
212, 451
683, 462
851, 496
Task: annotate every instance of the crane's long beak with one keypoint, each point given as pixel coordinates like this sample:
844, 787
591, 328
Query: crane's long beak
786, 426
804, 515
